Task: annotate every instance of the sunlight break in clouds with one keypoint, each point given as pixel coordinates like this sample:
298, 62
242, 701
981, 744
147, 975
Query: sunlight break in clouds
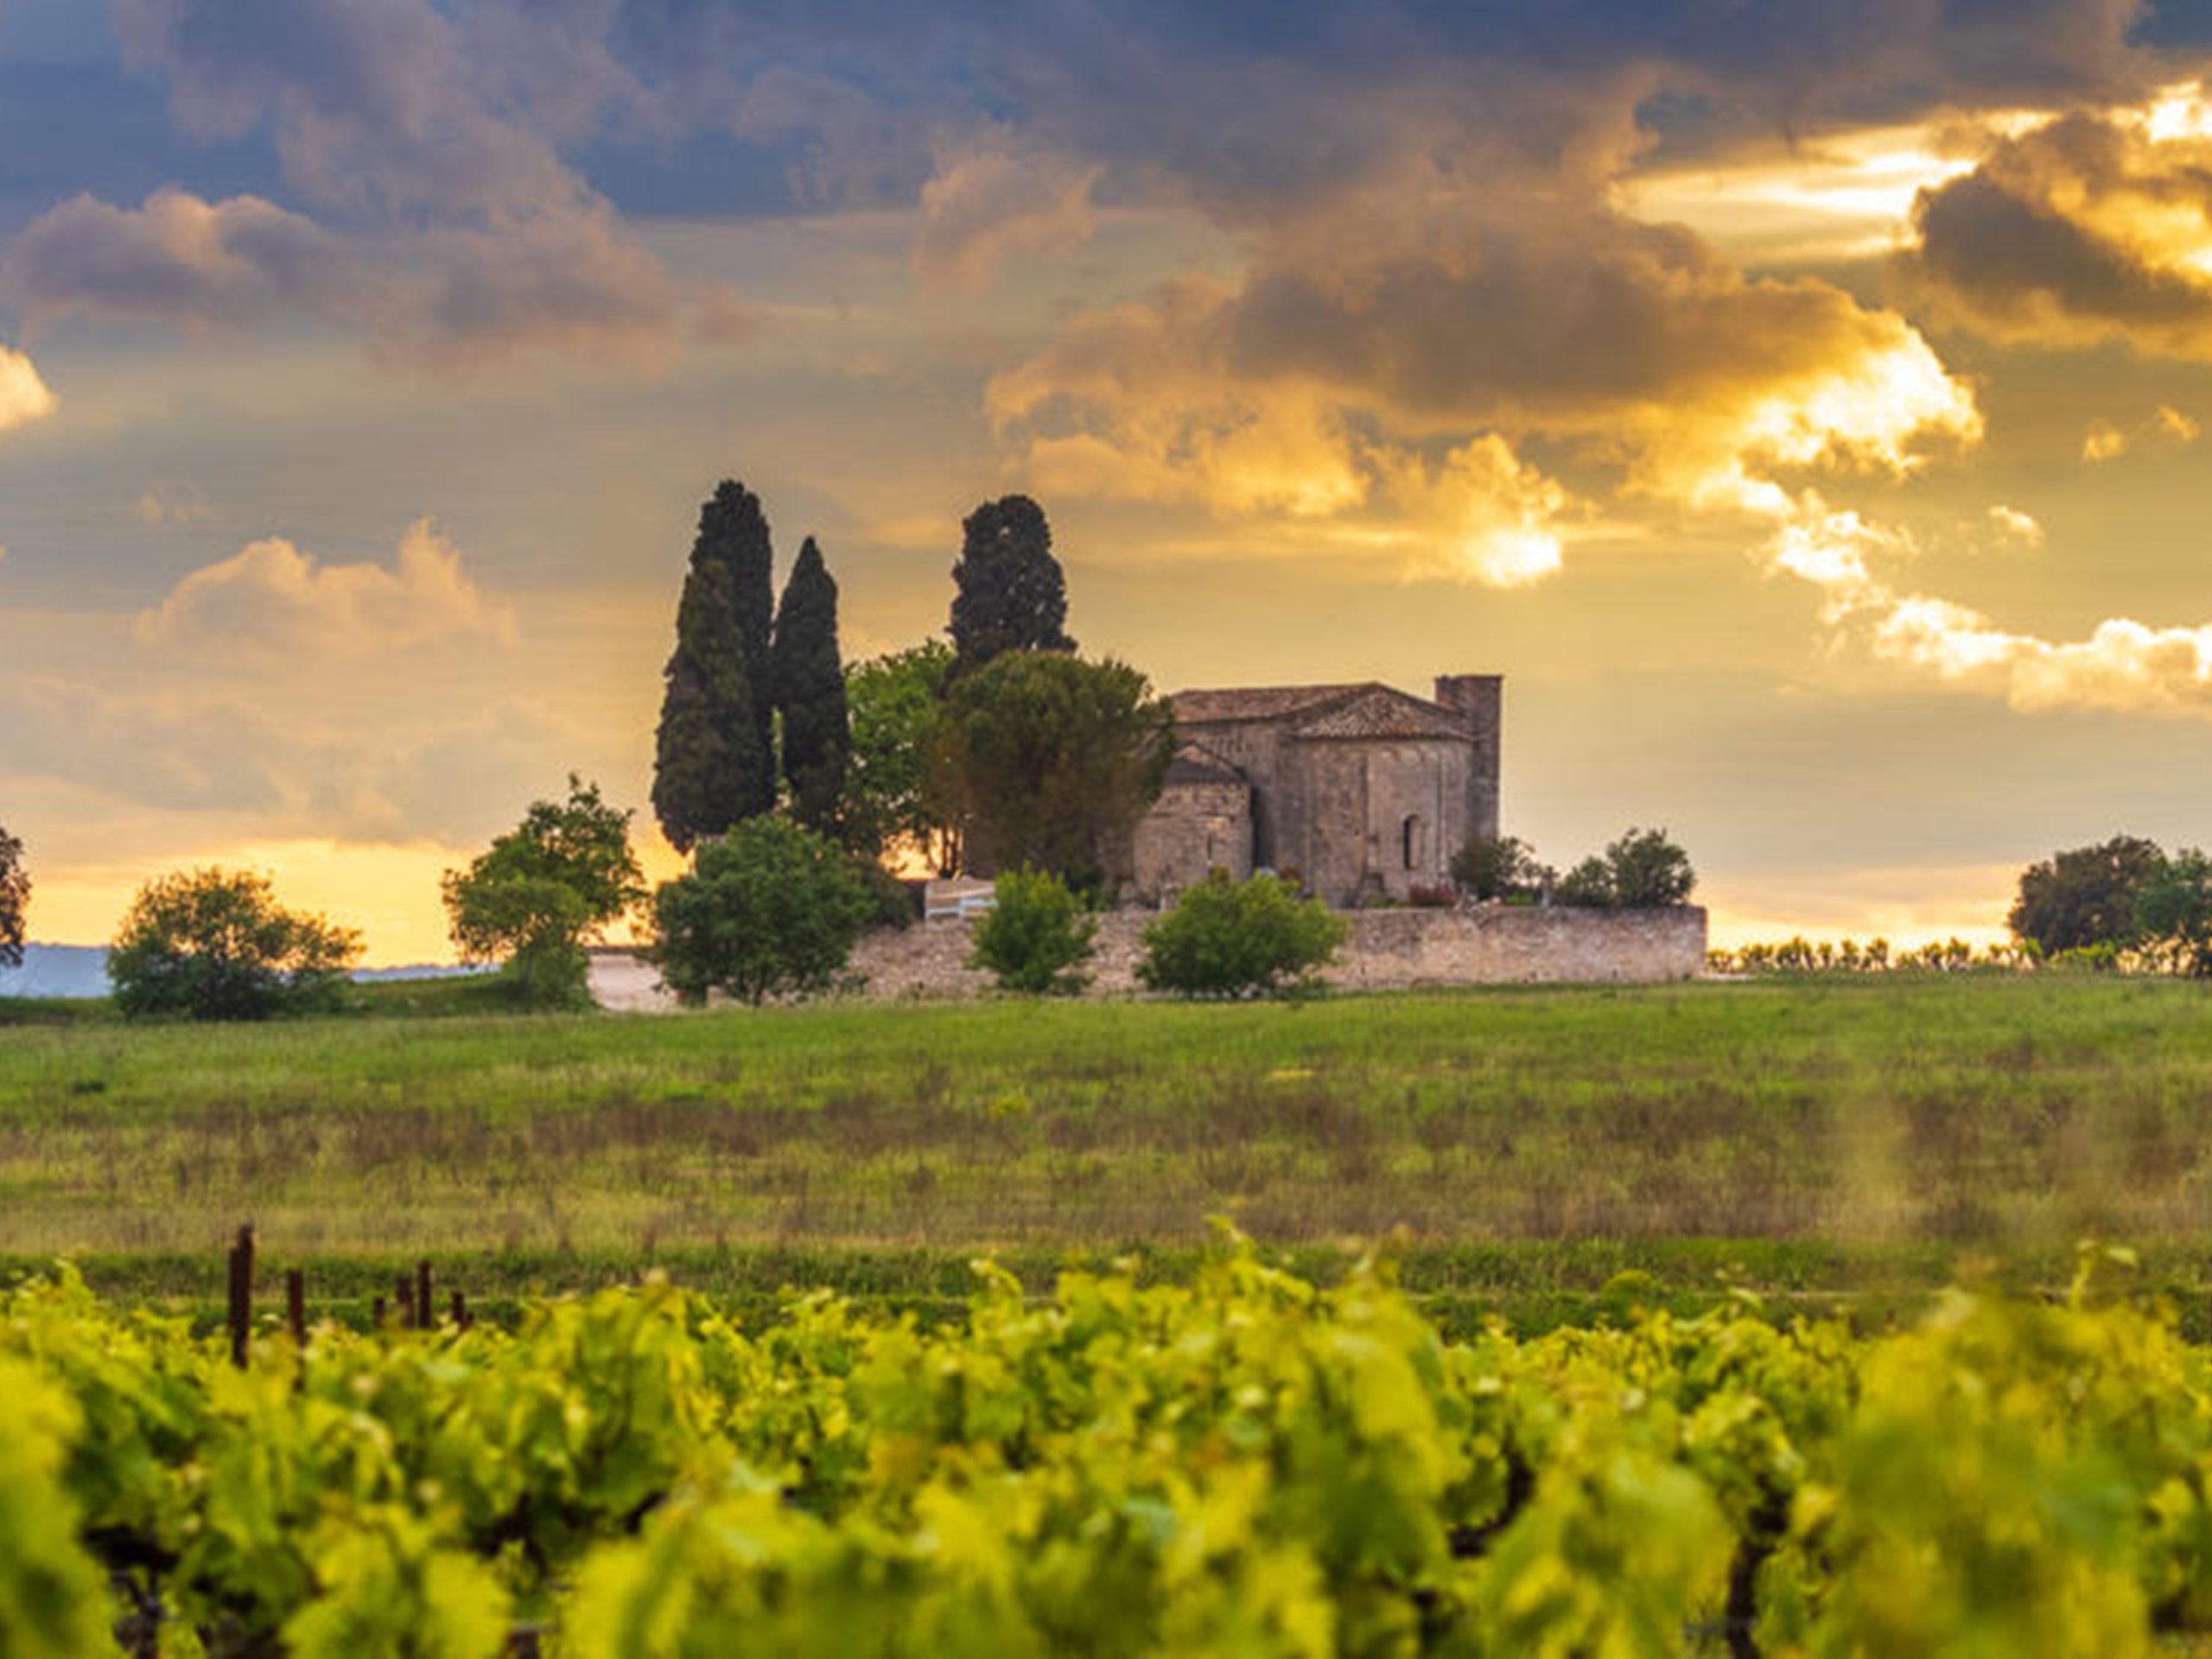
273, 599
1313, 384
1484, 515
1868, 412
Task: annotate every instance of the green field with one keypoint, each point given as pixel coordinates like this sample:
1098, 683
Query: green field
1808, 1134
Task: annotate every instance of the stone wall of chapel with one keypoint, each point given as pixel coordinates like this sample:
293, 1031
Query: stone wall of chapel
1193, 830
1254, 747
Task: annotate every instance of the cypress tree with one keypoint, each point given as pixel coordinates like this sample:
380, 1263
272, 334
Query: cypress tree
809, 681
706, 744
740, 530
715, 761
1012, 596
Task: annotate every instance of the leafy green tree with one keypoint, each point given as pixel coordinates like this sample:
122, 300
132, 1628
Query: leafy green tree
1649, 871
1496, 867
1035, 938
1054, 760
1227, 937
543, 889
2085, 896
771, 909
2174, 914
809, 681
215, 944
891, 798
715, 754
1011, 593
15, 900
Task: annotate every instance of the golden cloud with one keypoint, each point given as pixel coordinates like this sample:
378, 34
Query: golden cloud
24, 395
2095, 226
2105, 441
1483, 515
1314, 389
272, 599
2122, 665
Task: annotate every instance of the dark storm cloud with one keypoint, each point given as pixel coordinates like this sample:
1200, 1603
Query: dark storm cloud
450, 232
455, 176
2090, 228
1252, 103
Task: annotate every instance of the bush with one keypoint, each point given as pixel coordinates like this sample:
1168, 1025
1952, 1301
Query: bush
1642, 870
1237, 938
1496, 867
1035, 937
1588, 886
892, 901
770, 910
1649, 870
215, 944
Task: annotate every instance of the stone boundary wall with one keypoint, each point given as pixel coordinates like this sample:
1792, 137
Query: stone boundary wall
1389, 950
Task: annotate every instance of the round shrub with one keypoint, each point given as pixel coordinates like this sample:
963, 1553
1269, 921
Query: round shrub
1226, 937
770, 910
1035, 937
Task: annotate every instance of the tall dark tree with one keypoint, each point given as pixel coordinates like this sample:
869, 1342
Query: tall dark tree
15, 900
809, 682
733, 518
714, 760
1012, 596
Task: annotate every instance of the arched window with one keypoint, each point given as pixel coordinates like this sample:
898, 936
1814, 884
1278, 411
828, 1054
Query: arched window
1409, 835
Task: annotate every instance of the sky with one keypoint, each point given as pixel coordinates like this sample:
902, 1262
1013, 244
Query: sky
1802, 405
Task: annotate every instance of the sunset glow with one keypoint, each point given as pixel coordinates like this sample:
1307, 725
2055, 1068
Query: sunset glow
1804, 413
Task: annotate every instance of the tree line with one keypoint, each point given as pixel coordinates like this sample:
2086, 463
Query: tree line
997, 746
787, 777
790, 777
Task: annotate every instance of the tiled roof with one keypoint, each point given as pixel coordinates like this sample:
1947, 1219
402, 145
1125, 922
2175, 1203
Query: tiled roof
1255, 702
1365, 709
1381, 712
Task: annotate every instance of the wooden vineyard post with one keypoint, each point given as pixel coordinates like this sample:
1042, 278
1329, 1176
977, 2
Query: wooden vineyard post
459, 1312
296, 1304
426, 1312
403, 1288
241, 1309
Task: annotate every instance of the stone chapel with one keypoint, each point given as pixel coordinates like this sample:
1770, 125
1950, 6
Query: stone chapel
1357, 789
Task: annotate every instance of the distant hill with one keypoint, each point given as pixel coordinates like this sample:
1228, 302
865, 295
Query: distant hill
81, 971
58, 970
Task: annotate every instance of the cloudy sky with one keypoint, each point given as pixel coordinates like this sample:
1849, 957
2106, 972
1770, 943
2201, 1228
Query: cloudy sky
1802, 403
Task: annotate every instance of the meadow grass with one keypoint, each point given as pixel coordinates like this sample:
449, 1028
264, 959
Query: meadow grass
1998, 1114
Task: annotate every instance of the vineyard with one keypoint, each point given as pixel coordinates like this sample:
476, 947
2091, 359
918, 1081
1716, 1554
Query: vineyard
1239, 1464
